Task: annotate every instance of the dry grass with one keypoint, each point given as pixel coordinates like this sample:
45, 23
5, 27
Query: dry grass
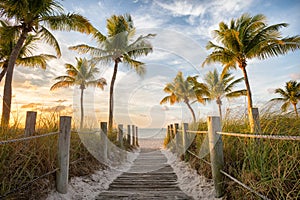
271, 167
21, 162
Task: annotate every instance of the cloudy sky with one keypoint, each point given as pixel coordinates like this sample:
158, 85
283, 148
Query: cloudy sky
183, 29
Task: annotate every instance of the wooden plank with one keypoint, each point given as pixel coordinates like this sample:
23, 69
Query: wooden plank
150, 177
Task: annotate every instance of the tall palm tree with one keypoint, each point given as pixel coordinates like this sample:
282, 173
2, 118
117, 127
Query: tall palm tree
83, 75
245, 38
118, 46
290, 95
219, 86
182, 90
33, 16
8, 39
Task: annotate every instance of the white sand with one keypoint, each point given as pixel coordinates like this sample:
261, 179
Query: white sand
189, 181
88, 187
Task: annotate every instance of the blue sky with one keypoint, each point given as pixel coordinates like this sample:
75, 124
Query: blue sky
183, 28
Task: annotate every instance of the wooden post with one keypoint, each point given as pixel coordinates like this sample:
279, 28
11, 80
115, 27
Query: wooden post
216, 153
133, 135
176, 135
255, 113
185, 127
63, 154
128, 135
30, 123
120, 135
168, 133
136, 137
172, 131
104, 139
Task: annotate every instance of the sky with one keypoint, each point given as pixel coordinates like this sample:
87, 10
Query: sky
182, 30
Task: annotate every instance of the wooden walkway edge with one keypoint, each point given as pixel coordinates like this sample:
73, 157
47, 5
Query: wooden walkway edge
150, 177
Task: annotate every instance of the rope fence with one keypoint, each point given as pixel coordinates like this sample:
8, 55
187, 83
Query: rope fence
273, 137
245, 186
28, 183
36, 179
63, 148
205, 161
216, 149
27, 138
197, 132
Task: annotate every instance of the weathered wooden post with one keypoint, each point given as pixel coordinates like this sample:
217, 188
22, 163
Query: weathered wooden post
133, 135
172, 131
168, 134
171, 143
185, 127
120, 135
136, 137
216, 153
103, 126
128, 134
63, 154
30, 123
176, 135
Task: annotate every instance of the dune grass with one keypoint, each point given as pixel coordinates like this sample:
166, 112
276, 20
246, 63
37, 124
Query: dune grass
21, 162
271, 167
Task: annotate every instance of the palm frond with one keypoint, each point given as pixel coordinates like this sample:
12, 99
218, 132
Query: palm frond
49, 38
138, 66
285, 106
165, 100
237, 93
35, 61
61, 84
100, 83
230, 86
84, 48
69, 22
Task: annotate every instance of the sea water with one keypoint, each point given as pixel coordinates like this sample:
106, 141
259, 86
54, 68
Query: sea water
152, 133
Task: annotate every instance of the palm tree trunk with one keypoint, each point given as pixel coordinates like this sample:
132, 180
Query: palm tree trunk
191, 109
111, 96
7, 94
295, 109
81, 108
219, 102
249, 97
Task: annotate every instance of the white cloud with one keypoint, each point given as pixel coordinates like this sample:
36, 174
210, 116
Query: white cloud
144, 21
179, 8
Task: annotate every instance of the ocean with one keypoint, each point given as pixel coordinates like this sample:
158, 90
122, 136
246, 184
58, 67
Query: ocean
152, 133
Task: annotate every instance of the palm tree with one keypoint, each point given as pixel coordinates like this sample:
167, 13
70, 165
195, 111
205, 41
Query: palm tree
219, 86
83, 75
290, 95
8, 38
182, 90
118, 46
245, 38
31, 16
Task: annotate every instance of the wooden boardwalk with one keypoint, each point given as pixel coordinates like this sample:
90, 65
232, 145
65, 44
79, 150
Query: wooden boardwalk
150, 177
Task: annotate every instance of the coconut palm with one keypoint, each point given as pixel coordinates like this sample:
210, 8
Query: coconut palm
31, 16
245, 38
83, 75
290, 95
182, 90
8, 38
119, 46
219, 86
